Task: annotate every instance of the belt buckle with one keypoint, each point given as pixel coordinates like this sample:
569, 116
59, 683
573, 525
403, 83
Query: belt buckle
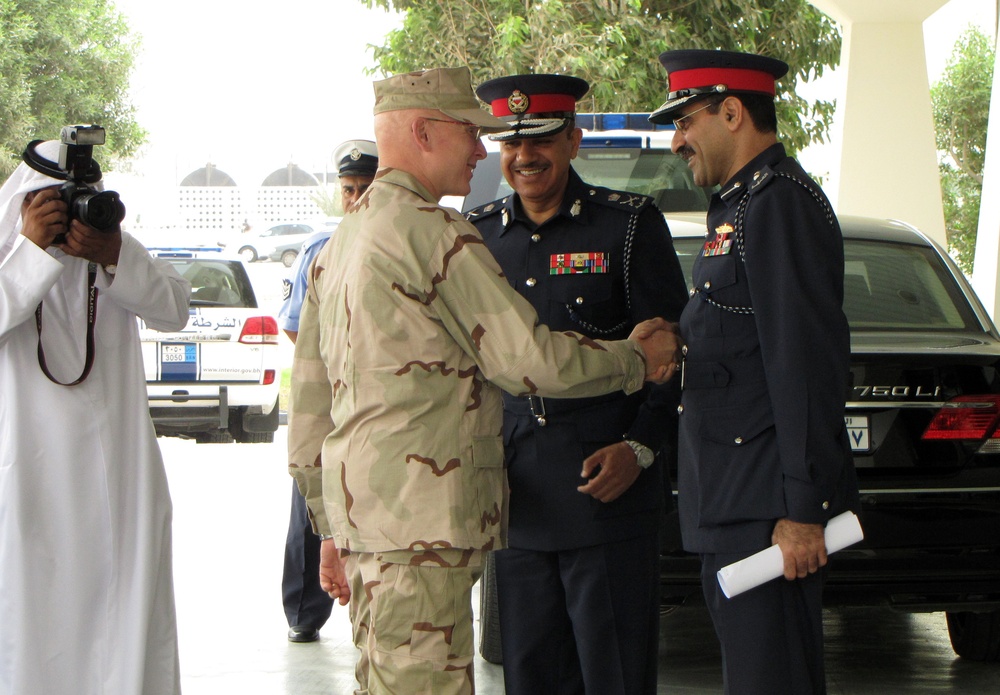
537, 406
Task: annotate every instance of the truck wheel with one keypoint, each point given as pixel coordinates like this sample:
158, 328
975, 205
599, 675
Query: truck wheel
975, 636
245, 436
213, 437
489, 613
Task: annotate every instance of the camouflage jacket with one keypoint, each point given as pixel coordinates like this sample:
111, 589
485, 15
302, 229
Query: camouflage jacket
408, 332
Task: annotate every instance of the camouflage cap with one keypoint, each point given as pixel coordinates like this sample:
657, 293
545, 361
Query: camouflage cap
448, 90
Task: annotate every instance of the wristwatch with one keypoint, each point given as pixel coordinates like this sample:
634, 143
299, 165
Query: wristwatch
643, 454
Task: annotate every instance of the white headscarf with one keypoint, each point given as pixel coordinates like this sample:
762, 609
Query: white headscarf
21, 182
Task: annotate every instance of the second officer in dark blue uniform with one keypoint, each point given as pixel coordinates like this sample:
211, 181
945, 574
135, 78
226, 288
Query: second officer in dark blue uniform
577, 587
763, 455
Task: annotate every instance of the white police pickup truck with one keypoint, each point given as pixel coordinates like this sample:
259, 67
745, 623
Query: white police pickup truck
216, 380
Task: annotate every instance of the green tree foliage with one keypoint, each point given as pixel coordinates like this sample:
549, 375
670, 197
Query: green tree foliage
328, 199
961, 105
614, 44
64, 63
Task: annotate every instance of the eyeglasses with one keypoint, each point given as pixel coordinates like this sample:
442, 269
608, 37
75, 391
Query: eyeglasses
473, 130
682, 124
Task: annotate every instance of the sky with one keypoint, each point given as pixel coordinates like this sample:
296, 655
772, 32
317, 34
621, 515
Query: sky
251, 87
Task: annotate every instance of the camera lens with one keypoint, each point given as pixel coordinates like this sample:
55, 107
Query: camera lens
103, 211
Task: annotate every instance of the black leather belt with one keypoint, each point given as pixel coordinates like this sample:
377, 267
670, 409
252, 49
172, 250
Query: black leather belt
542, 409
706, 375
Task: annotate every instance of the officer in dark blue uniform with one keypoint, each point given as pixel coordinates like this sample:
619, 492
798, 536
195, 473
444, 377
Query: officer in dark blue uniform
577, 588
764, 456
307, 606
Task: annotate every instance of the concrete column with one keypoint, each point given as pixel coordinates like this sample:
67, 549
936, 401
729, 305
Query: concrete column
888, 157
984, 272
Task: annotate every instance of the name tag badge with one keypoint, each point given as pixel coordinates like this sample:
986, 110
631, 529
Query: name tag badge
576, 263
722, 243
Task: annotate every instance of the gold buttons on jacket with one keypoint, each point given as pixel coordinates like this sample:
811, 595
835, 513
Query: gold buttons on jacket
579, 300
531, 282
708, 284
826, 505
536, 238
738, 440
680, 410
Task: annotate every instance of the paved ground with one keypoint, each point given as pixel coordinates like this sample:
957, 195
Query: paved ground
230, 515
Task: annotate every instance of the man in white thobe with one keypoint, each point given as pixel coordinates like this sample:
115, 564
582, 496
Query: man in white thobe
86, 586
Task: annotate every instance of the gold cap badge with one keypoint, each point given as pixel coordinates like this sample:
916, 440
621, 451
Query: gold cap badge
518, 102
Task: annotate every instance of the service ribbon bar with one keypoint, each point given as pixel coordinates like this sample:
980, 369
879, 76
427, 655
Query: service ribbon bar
720, 246
572, 263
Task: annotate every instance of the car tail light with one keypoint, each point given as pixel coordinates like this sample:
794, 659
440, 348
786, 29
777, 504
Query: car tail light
260, 330
268, 376
966, 417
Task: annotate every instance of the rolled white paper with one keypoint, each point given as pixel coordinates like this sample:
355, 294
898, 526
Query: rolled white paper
841, 531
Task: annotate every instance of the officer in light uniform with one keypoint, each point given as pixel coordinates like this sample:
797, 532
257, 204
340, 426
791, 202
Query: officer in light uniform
357, 162
764, 456
577, 587
307, 606
408, 332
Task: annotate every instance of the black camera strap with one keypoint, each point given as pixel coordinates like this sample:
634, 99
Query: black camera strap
91, 320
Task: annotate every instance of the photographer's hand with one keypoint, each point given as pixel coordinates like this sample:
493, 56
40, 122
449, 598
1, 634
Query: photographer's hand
85, 242
43, 216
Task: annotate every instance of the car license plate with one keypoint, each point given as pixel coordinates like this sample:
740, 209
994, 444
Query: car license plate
178, 362
178, 353
858, 431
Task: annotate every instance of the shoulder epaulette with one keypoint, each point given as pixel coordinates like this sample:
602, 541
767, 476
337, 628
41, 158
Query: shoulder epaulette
761, 178
790, 170
486, 210
622, 200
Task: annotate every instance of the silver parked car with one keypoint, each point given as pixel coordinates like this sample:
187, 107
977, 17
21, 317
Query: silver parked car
274, 242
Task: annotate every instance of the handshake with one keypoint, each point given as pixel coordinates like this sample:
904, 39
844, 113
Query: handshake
661, 346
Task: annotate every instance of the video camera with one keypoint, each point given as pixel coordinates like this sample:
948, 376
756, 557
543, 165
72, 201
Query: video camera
101, 210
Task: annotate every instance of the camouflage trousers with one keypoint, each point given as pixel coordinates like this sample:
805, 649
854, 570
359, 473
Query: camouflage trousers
413, 621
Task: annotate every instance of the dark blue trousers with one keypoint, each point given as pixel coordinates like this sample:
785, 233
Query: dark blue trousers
580, 621
306, 604
771, 636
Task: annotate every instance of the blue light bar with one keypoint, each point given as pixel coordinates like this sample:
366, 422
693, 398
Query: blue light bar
599, 140
614, 121
181, 251
618, 121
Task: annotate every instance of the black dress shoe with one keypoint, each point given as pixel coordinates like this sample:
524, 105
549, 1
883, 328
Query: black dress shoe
303, 634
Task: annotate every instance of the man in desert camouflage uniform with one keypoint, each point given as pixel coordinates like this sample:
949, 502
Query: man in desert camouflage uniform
407, 335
